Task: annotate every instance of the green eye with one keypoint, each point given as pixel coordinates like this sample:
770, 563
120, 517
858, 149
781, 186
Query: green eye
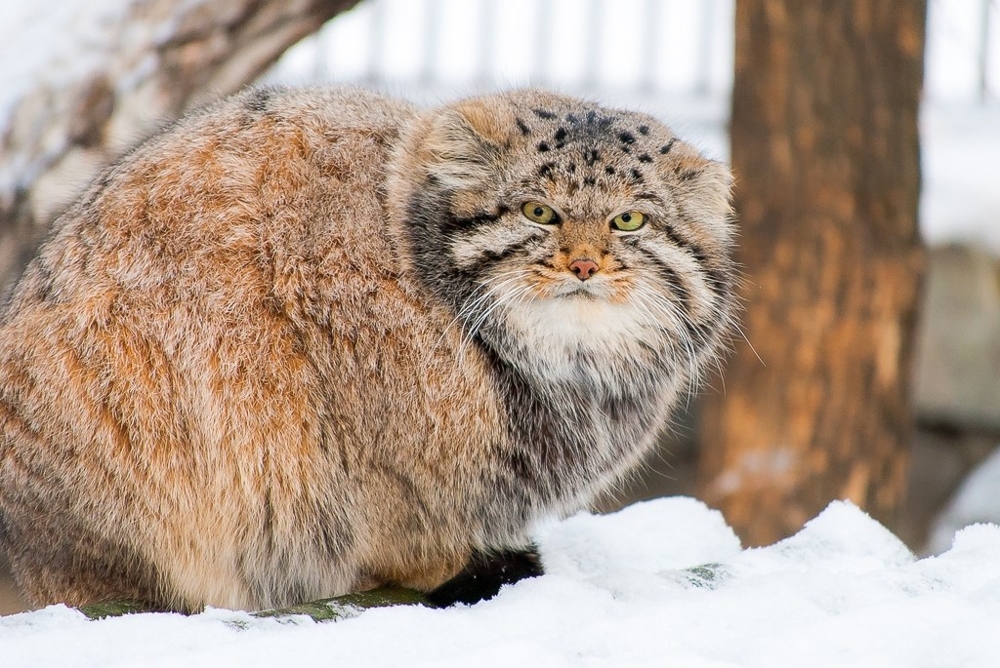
536, 212
629, 221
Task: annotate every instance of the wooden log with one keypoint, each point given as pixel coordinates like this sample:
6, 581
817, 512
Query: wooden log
332, 609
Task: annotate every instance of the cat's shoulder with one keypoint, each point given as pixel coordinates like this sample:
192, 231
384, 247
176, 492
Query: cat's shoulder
264, 127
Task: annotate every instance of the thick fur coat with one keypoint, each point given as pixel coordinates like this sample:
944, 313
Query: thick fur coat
305, 342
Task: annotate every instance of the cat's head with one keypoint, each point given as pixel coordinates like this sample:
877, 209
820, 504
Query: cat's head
567, 235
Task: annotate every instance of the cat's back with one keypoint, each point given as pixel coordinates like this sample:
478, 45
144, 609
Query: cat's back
250, 181
228, 238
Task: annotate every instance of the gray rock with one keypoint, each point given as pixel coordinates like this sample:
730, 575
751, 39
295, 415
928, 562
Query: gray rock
957, 375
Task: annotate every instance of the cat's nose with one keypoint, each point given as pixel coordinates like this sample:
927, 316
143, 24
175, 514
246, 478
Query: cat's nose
584, 268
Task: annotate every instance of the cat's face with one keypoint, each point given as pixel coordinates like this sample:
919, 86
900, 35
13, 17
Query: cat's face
567, 235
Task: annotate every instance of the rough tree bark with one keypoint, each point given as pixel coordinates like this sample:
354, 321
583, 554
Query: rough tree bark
156, 59
825, 151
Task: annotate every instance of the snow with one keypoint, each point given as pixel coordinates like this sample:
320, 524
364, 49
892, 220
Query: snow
974, 502
663, 582
56, 42
960, 199
48, 45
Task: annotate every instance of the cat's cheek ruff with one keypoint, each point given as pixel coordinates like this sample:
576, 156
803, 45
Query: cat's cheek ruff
694, 282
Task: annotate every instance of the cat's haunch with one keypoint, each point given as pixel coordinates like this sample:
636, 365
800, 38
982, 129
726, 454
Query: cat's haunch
306, 342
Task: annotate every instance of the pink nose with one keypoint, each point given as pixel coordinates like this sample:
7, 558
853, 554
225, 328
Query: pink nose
583, 268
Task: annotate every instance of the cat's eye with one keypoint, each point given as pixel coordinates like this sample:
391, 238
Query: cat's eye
629, 221
543, 214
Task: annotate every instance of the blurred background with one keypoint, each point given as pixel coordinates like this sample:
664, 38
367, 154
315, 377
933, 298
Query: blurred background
81, 82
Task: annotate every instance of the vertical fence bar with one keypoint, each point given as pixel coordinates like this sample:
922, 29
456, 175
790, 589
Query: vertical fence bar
376, 41
321, 55
486, 41
984, 50
651, 22
429, 43
540, 52
592, 43
705, 48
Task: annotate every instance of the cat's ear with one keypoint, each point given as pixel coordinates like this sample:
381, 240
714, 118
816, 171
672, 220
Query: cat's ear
464, 144
706, 190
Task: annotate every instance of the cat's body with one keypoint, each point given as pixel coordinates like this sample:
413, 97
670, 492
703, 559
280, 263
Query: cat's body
307, 342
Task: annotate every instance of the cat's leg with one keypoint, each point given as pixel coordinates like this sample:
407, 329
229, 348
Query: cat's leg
485, 573
58, 564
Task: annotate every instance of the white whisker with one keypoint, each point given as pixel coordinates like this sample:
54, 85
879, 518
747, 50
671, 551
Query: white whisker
473, 301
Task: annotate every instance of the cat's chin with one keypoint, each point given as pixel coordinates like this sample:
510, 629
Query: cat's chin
558, 329
561, 326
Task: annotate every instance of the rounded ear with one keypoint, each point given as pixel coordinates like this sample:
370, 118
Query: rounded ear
713, 187
707, 187
463, 143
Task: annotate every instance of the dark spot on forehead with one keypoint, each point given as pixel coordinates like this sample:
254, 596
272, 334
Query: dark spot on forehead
543, 146
522, 126
589, 181
258, 100
573, 119
571, 168
626, 137
592, 157
545, 171
560, 134
595, 119
645, 158
544, 113
666, 147
609, 170
644, 129
636, 174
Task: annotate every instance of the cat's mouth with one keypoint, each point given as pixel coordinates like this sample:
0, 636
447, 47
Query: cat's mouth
563, 288
587, 291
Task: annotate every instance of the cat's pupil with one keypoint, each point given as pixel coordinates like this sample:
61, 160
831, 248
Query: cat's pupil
539, 211
626, 217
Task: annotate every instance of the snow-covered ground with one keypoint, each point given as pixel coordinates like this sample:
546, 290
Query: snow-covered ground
661, 583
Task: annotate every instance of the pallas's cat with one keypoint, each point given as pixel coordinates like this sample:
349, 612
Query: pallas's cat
305, 342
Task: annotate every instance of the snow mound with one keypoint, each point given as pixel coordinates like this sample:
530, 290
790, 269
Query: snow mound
660, 583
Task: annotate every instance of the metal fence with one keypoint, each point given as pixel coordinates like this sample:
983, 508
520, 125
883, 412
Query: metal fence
643, 46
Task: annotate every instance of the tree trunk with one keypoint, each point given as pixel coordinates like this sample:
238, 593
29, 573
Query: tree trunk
826, 156
110, 75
